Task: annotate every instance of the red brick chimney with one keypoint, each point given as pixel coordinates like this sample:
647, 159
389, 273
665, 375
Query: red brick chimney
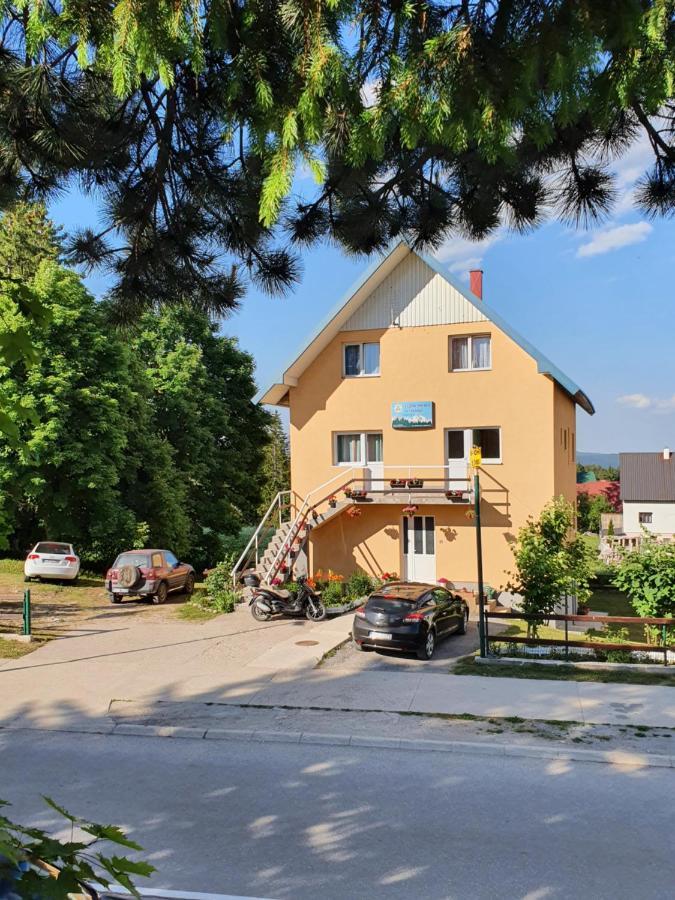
476, 282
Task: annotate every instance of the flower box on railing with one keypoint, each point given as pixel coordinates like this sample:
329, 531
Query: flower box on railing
348, 492
410, 510
415, 483
397, 483
359, 494
457, 496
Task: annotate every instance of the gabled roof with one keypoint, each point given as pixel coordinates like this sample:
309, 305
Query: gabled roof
647, 477
373, 276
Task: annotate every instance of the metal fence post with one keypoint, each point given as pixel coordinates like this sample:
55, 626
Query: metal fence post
26, 612
567, 639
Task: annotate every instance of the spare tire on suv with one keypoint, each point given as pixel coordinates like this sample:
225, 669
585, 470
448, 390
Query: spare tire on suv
129, 576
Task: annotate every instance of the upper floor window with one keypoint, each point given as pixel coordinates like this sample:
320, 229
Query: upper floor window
645, 518
471, 352
361, 359
460, 441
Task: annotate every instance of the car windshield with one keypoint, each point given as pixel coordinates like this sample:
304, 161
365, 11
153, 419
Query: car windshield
56, 549
131, 559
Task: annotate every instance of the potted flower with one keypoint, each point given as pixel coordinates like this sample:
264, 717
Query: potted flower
348, 492
315, 514
283, 568
397, 483
388, 576
332, 501
455, 496
410, 510
359, 494
415, 483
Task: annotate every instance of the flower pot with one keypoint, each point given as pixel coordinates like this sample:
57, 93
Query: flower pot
332, 503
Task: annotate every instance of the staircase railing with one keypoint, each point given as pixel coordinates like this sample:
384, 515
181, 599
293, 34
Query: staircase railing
273, 519
301, 518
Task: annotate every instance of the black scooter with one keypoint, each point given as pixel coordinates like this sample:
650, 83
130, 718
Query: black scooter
268, 601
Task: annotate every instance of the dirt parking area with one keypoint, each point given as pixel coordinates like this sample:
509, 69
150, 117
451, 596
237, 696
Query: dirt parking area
57, 608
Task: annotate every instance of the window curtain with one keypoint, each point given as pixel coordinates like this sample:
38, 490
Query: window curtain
480, 353
349, 448
374, 448
460, 353
353, 359
371, 359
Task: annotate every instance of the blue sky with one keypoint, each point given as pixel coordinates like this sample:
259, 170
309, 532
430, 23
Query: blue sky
599, 303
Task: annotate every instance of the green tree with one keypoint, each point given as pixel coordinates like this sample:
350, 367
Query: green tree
430, 119
590, 509
202, 389
647, 575
276, 464
552, 562
62, 478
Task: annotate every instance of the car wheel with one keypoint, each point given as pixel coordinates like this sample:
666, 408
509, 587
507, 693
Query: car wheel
161, 594
27, 578
115, 598
189, 585
465, 622
427, 651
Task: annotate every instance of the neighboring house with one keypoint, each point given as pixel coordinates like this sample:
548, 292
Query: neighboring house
388, 396
648, 493
609, 489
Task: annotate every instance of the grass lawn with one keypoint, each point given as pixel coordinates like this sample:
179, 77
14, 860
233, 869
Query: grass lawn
468, 666
606, 600
195, 609
14, 649
57, 608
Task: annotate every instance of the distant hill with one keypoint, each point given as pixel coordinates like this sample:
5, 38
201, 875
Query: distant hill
598, 459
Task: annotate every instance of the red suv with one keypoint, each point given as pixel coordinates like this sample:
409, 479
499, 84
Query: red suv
148, 573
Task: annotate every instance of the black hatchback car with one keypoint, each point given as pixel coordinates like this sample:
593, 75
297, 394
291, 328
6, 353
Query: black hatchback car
409, 616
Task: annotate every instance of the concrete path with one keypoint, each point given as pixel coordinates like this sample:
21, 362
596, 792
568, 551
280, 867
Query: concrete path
234, 659
300, 821
74, 679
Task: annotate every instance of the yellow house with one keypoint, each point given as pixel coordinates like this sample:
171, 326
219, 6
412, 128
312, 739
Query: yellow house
386, 400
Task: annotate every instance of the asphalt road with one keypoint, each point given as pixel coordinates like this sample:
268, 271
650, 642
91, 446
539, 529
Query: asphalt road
292, 821
452, 648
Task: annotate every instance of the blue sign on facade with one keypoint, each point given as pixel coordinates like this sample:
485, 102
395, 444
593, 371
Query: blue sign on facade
416, 414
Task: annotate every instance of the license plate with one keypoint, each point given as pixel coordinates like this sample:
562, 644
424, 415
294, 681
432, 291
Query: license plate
51, 560
380, 635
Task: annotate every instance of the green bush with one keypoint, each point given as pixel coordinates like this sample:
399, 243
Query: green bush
358, 585
333, 594
219, 592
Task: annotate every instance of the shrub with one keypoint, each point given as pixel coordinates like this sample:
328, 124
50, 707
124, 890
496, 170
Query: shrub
333, 594
359, 584
647, 575
219, 592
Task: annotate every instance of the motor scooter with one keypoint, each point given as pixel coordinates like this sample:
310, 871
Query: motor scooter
268, 601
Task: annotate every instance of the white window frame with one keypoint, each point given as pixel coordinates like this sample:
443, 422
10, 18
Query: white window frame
468, 443
362, 460
649, 521
469, 338
361, 345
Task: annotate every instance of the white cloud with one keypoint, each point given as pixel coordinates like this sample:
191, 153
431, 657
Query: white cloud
642, 401
637, 401
608, 239
461, 255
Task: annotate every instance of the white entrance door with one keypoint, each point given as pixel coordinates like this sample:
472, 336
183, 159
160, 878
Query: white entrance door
374, 468
419, 548
458, 459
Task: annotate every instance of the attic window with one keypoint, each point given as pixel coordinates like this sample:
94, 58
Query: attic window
473, 352
361, 360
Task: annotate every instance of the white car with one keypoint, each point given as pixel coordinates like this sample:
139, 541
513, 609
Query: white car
50, 559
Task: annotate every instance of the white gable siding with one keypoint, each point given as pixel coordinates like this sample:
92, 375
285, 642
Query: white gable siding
413, 294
